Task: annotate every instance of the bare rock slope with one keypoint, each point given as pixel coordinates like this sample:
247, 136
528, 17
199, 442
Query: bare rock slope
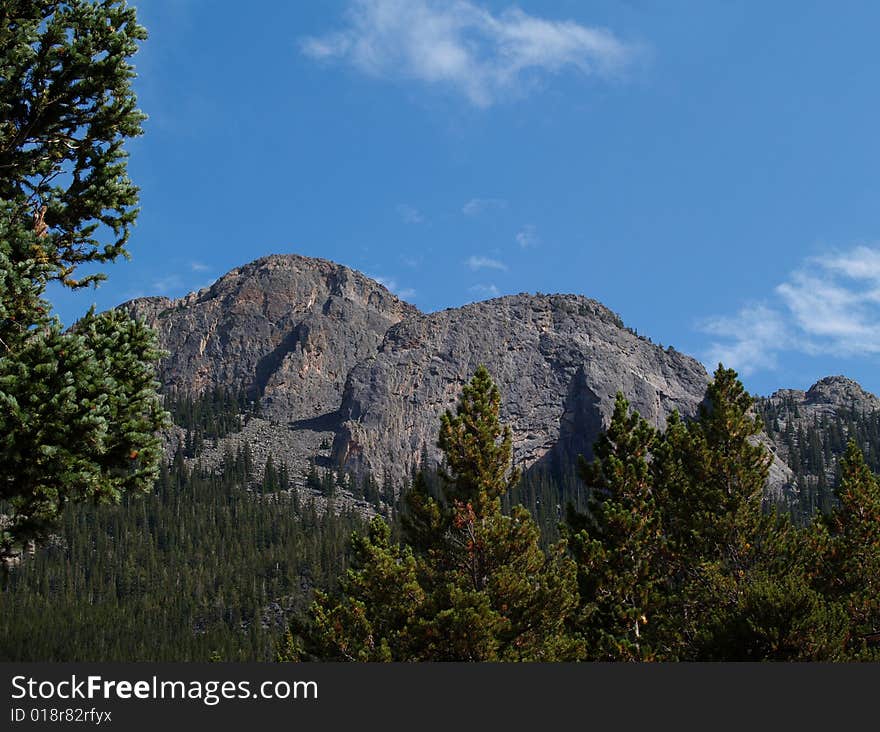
285, 328
558, 360
335, 359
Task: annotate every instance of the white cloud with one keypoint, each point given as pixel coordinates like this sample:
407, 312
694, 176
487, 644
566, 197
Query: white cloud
859, 263
410, 214
199, 267
477, 206
528, 237
750, 339
823, 307
386, 282
476, 263
828, 305
488, 290
167, 285
459, 44
389, 283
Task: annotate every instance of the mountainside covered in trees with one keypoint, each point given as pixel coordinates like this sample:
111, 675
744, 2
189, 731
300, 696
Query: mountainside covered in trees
810, 430
255, 488
326, 366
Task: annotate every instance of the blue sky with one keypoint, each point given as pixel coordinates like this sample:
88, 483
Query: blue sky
706, 169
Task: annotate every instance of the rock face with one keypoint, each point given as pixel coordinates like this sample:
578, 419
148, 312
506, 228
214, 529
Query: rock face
810, 428
835, 392
349, 375
558, 360
287, 329
824, 400
333, 358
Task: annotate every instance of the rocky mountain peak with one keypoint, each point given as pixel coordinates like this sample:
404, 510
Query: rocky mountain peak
842, 392
558, 361
347, 373
285, 328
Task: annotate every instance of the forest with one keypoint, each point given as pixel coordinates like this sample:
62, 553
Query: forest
663, 547
199, 568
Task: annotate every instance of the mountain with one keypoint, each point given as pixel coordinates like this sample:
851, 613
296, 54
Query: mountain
286, 329
342, 370
810, 429
341, 373
558, 360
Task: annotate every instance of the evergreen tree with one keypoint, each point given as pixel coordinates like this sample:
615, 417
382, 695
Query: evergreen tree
727, 468
78, 417
851, 552
78, 409
328, 484
739, 584
271, 482
381, 595
470, 583
313, 479
175, 575
618, 543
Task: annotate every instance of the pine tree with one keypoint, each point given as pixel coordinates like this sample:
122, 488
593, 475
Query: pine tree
618, 543
381, 596
508, 600
728, 468
328, 484
313, 479
78, 409
271, 482
78, 417
851, 551
739, 586
470, 583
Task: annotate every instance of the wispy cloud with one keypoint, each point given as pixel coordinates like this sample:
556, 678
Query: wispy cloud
527, 237
391, 284
749, 339
477, 206
829, 305
410, 214
200, 267
167, 285
476, 263
484, 290
459, 44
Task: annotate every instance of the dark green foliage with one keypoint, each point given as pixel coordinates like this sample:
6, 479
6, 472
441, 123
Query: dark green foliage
211, 415
849, 552
726, 473
476, 447
271, 478
78, 417
188, 571
737, 574
78, 410
67, 109
328, 484
469, 582
546, 492
618, 542
380, 599
772, 612
676, 557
